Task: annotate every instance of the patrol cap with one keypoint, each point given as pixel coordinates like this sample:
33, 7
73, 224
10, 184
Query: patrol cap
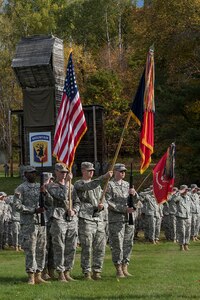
120, 167
47, 175
194, 186
29, 169
175, 189
183, 187
61, 168
2, 194
87, 166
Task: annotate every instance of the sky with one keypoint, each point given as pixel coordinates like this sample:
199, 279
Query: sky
140, 3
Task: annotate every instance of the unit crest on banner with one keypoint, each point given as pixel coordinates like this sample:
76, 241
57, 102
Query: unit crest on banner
40, 148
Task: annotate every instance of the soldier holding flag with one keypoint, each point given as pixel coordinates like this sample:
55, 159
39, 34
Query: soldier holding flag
120, 232
63, 229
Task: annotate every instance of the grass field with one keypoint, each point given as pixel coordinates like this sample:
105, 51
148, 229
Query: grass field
159, 272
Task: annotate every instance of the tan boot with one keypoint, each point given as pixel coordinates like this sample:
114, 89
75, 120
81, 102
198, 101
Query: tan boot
38, 278
16, 248
186, 248
119, 272
125, 270
68, 277
31, 278
87, 276
96, 275
182, 248
61, 277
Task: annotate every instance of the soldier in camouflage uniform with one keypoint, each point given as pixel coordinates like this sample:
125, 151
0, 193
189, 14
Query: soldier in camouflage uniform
16, 227
8, 242
172, 215
2, 216
138, 219
183, 217
165, 220
120, 232
195, 212
153, 217
63, 229
26, 201
91, 221
48, 272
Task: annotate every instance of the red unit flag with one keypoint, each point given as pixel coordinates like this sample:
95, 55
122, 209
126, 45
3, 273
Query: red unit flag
163, 175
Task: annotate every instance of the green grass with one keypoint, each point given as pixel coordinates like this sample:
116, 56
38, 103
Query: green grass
9, 184
159, 272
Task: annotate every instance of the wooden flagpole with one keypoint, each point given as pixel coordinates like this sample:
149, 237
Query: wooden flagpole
143, 182
116, 154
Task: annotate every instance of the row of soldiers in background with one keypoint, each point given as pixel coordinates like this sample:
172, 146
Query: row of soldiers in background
9, 224
179, 217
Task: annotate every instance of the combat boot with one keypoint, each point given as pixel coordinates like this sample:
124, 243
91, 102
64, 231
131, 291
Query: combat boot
119, 272
61, 277
186, 247
96, 275
68, 277
16, 248
182, 248
125, 270
52, 274
38, 278
87, 276
45, 274
31, 278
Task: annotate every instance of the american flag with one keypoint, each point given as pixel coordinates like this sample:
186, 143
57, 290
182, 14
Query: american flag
71, 124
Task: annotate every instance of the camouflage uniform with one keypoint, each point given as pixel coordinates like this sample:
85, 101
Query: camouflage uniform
2, 216
26, 201
153, 217
7, 225
63, 229
172, 218
15, 226
49, 261
139, 222
91, 225
195, 214
120, 232
183, 216
166, 221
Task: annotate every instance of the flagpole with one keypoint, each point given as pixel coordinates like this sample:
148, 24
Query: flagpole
70, 193
116, 154
143, 182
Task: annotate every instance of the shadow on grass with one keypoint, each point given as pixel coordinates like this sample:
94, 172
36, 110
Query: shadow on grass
12, 280
133, 296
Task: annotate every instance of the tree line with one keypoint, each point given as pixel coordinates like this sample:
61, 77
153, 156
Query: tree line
110, 39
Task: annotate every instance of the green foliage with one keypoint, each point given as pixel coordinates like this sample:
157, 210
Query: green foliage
110, 39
